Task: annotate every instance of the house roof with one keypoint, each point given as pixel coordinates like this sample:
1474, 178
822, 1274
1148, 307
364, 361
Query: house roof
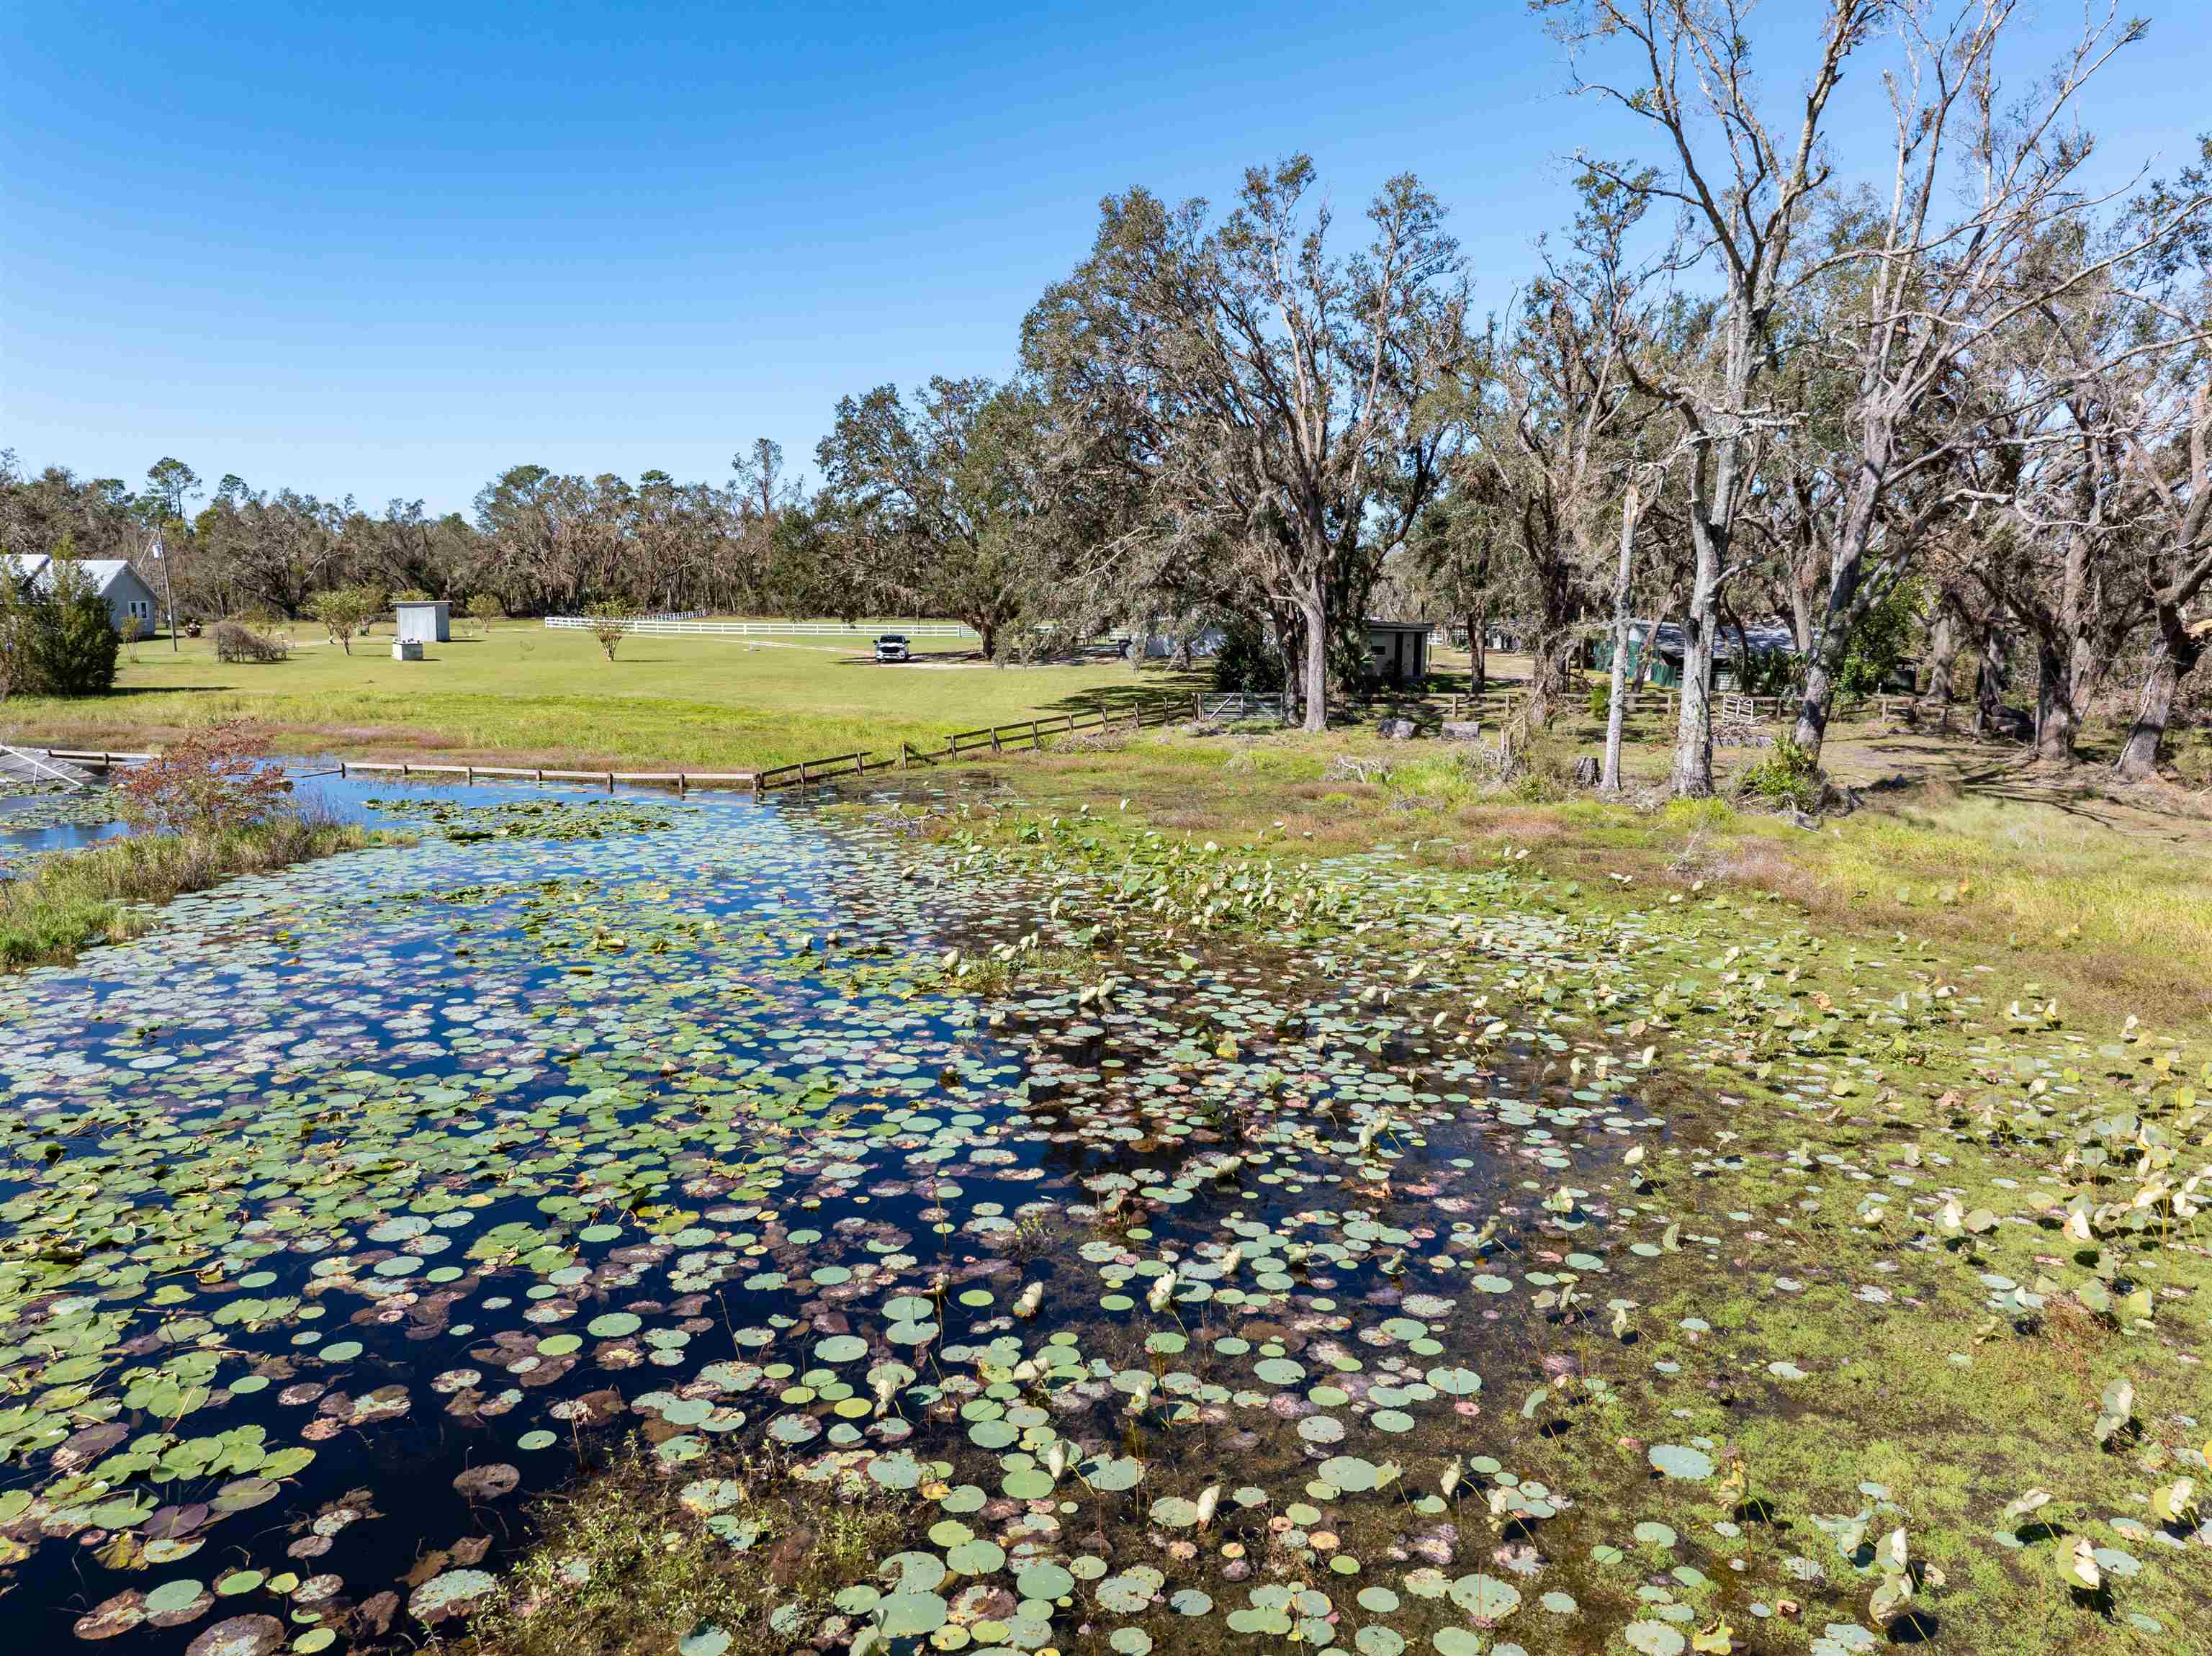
38, 568
1375, 625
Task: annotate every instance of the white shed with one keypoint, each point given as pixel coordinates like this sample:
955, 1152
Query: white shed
423, 623
1399, 650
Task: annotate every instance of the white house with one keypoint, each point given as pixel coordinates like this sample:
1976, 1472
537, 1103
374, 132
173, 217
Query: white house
113, 579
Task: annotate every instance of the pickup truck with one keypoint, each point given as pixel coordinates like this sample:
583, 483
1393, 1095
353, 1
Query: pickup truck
891, 646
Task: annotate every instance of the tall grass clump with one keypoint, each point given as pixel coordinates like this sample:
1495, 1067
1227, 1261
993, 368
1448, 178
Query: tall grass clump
207, 809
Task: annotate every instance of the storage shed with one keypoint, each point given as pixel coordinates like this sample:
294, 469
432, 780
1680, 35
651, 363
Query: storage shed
1398, 651
423, 623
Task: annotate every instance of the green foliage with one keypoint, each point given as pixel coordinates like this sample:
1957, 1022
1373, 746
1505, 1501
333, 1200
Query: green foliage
1600, 698
610, 624
1769, 672
1790, 776
56, 639
1246, 660
1881, 641
346, 611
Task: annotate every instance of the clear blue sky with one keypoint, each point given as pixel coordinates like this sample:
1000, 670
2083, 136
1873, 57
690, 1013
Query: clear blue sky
393, 250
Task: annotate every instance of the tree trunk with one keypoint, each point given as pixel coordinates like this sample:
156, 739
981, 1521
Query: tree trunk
1651, 638
1990, 676
1692, 775
2058, 721
2177, 657
1616, 710
1942, 656
1313, 671
989, 634
1478, 660
1832, 647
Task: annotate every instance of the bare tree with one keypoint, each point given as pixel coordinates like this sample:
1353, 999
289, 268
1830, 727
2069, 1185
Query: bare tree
1744, 182
1934, 286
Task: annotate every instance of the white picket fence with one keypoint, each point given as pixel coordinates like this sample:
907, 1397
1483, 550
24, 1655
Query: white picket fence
668, 625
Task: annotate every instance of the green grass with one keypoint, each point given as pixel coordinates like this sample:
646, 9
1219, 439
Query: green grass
527, 694
68, 900
2111, 906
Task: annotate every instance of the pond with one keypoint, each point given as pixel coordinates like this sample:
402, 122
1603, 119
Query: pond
363, 1201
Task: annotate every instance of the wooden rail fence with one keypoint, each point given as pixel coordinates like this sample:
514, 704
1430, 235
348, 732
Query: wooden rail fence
995, 738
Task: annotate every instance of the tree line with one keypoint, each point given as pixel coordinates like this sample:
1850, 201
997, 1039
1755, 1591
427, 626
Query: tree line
1923, 386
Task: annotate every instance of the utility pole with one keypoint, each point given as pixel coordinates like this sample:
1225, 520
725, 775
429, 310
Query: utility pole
168, 589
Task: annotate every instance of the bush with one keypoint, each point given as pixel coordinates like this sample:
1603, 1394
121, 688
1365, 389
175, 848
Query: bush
214, 780
233, 642
1790, 777
59, 641
1600, 698
1246, 661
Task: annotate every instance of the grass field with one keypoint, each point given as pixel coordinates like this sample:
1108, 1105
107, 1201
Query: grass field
528, 694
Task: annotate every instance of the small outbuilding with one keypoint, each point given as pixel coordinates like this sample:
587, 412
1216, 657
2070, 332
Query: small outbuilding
427, 622
1398, 651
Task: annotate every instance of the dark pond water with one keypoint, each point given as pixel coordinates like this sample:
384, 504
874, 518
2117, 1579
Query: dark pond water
364, 1200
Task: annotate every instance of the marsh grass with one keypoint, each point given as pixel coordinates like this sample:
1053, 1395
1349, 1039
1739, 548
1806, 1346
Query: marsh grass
2115, 907
625, 1569
68, 900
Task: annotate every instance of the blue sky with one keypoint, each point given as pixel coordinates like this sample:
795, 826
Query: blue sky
393, 250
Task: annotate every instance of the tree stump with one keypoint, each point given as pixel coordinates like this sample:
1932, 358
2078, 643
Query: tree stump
1395, 730
1586, 772
1463, 730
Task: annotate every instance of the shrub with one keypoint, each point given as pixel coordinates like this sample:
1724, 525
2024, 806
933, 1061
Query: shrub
234, 642
59, 641
208, 781
1791, 776
484, 609
610, 624
346, 611
1246, 660
1600, 698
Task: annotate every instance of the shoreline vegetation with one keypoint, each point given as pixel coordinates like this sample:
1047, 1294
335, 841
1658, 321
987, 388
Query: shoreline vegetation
66, 901
1888, 1061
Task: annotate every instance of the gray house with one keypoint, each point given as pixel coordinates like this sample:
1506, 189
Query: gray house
113, 579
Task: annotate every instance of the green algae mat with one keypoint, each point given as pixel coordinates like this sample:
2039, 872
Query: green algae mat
1190, 1246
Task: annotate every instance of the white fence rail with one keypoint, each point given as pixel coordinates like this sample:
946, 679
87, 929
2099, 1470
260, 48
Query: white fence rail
667, 625
1240, 704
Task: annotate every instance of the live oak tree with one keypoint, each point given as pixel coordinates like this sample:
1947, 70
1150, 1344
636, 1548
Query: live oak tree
1266, 389
936, 502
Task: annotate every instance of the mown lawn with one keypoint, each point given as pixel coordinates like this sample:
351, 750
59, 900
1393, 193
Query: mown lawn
527, 694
